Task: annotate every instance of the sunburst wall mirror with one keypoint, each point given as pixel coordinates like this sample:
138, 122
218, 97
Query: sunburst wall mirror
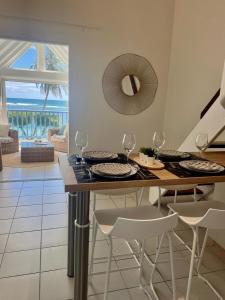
129, 84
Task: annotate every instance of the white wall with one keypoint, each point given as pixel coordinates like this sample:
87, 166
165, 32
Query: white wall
196, 65
113, 28
197, 57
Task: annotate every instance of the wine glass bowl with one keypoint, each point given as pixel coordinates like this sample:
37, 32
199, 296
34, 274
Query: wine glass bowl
81, 142
158, 141
201, 142
129, 143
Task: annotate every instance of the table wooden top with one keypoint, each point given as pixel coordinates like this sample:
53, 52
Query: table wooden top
165, 177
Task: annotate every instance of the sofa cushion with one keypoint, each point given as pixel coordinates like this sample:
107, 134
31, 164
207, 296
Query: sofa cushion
58, 138
4, 130
66, 130
6, 140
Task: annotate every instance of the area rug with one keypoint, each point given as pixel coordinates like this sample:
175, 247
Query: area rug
14, 161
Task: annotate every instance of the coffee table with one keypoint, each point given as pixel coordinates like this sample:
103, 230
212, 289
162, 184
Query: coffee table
37, 152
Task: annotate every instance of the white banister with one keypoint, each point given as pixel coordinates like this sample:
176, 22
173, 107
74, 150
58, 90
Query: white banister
31, 124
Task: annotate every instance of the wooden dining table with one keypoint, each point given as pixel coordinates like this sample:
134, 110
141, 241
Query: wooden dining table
79, 204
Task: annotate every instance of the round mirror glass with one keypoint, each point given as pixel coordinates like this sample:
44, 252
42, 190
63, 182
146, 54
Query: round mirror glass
130, 85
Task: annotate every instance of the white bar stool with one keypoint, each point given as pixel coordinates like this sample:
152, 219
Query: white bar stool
138, 192
206, 214
177, 188
134, 223
120, 192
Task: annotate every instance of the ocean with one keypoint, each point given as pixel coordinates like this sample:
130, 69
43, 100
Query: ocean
37, 104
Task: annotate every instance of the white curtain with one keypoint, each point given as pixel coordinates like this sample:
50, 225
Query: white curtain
3, 108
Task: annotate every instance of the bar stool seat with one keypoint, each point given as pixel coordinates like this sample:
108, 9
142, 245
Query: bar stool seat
205, 214
134, 223
106, 218
192, 213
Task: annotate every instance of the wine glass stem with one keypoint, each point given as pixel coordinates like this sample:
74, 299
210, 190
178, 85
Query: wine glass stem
128, 153
81, 156
201, 152
156, 153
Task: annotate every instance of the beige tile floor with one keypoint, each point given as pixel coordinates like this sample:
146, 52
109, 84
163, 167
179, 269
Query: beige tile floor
33, 249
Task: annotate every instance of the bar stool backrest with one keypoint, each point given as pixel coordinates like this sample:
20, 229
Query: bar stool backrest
143, 229
213, 219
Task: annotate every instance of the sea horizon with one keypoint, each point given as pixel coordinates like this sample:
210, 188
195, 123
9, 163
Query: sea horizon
53, 105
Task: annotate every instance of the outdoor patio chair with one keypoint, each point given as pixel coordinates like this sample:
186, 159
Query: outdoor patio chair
60, 141
10, 144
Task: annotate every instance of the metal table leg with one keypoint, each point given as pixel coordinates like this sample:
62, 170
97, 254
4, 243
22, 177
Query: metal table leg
72, 198
81, 246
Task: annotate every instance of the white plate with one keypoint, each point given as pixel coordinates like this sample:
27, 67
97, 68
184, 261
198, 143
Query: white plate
202, 166
112, 169
99, 155
174, 153
132, 172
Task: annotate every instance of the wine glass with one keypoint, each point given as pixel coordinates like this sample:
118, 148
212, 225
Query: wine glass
128, 143
158, 142
81, 141
201, 142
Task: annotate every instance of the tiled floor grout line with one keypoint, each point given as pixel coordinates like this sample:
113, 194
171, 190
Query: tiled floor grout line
40, 252
9, 232
33, 216
58, 269
124, 281
31, 249
31, 230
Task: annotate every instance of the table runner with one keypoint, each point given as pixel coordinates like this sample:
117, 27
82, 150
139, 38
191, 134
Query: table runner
83, 174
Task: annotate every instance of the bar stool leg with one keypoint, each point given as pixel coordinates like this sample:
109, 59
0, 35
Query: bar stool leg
94, 202
192, 263
197, 247
202, 251
198, 268
139, 199
159, 199
108, 269
141, 262
175, 196
94, 234
136, 199
154, 266
195, 198
93, 218
159, 206
172, 266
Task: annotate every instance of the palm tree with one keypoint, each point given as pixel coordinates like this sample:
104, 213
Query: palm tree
52, 64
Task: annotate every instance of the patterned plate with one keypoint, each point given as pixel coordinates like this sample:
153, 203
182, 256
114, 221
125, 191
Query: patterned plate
112, 169
99, 155
133, 171
174, 153
202, 166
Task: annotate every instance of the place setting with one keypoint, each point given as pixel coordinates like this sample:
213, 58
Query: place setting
103, 165
193, 165
99, 165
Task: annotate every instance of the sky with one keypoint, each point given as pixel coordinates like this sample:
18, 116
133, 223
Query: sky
25, 89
